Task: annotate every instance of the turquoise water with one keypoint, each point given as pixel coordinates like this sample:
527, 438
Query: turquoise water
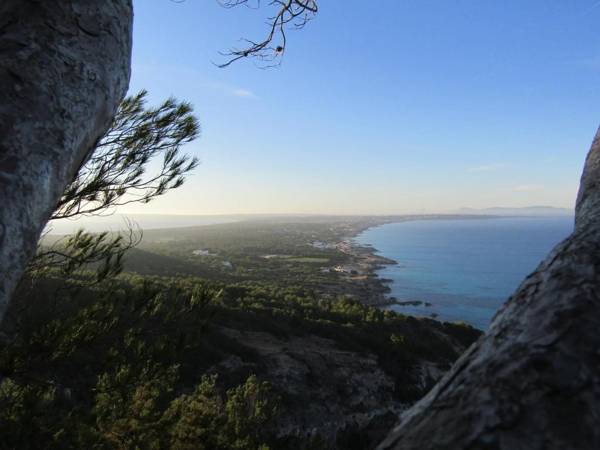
464, 268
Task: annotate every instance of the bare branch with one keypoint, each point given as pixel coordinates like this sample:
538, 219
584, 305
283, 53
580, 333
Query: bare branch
102, 252
270, 51
116, 175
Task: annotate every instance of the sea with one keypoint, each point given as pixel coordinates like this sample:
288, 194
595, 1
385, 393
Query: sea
462, 270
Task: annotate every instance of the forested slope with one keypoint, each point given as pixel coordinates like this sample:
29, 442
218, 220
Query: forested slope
177, 362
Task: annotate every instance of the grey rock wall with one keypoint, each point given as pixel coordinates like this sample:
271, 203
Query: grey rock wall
64, 68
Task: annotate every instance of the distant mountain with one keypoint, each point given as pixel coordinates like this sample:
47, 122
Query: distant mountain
524, 211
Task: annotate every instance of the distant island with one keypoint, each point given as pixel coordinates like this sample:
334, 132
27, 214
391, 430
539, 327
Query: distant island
519, 211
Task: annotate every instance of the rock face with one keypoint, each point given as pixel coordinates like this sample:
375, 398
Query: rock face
64, 68
339, 398
533, 380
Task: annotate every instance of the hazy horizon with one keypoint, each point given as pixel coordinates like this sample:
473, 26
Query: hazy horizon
126, 212
121, 221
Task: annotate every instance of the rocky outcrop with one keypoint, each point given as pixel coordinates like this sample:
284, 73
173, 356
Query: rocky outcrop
339, 398
533, 380
64, 68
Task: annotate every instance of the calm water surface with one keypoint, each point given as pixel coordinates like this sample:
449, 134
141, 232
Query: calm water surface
465, 268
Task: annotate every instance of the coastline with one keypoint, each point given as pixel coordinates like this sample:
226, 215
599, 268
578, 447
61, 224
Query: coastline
364, 261
360, 271
361, 274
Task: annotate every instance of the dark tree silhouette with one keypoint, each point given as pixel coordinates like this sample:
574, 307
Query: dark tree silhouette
117, 173
269, 51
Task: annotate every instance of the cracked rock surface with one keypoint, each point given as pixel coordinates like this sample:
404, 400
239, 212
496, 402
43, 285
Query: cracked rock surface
64, 68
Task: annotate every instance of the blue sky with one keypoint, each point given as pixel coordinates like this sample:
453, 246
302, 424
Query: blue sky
384, 107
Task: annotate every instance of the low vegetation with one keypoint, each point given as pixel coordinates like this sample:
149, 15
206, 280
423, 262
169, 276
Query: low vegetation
133, 363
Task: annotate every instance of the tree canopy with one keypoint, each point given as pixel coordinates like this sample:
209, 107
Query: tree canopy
137, 160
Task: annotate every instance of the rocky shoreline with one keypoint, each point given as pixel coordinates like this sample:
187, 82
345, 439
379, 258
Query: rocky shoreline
364, 262
361, 270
